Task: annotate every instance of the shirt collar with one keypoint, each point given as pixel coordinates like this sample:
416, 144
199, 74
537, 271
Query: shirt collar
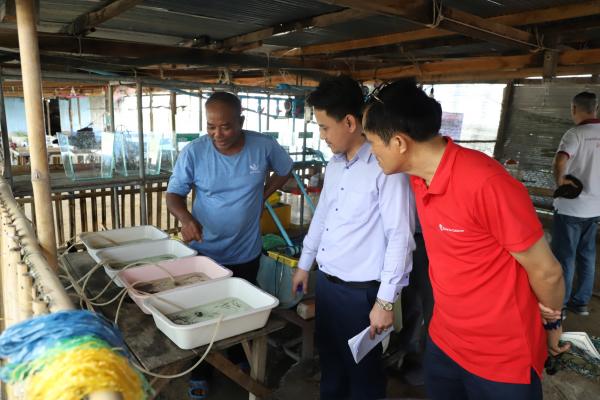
442, 175
364, 154
589, 121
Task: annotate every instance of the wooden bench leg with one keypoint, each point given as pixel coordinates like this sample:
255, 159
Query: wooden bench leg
258, 361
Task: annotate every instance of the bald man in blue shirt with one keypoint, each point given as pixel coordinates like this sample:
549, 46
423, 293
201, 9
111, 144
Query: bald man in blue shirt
229, 170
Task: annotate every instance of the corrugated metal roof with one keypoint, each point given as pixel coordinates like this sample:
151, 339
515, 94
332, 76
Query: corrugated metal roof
490, 8
366, 27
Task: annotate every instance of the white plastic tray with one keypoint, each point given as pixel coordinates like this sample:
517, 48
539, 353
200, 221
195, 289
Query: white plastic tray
96, 241
199, 334
179, 267
141, 251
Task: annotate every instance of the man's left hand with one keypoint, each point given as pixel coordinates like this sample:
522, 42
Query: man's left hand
381, 320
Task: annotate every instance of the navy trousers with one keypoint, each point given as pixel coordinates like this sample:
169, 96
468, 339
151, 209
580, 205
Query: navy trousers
446, 380
341, 313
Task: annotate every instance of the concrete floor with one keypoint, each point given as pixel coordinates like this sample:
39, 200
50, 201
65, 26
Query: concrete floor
293, 381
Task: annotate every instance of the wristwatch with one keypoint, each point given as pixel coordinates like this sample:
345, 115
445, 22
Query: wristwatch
385, 305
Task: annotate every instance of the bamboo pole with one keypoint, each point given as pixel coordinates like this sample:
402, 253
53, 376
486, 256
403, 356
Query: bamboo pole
7, 173
32, 91
25, 284
200, 122
173, 106
143, 215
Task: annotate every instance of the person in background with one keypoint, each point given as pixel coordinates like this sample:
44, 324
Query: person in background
498, 288
362, 239
575, 224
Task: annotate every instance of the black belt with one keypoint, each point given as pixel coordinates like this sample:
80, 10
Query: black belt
354, 285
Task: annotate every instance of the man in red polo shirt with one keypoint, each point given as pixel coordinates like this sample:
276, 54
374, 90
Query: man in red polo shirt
490, 267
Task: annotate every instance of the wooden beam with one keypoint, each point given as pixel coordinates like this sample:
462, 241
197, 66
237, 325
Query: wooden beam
320, 21
87, 22
448, 18
551, 14
474, 65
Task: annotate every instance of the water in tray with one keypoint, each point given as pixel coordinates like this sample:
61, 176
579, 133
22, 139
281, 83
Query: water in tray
206, 312
162, 284
147, 260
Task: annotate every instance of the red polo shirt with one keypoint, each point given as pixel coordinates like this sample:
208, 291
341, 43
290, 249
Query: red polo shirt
486, 316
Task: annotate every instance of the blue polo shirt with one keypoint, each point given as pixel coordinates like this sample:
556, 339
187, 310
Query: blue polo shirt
229, 193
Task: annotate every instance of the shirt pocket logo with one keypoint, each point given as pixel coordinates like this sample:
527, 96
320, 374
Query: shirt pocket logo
453, 230
254, 168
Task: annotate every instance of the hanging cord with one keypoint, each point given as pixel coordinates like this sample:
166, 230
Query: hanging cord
437, 14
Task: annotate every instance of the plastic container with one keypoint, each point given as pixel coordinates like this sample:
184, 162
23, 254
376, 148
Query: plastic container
95, 241
87, 154
115, 258
199, 334
198, 267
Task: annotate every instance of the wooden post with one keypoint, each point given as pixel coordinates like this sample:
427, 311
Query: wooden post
268, 110
143, 215
173, 104
505, 113
48, 120
200, 122
7, 173
111, 108
79, 113
70, 114
259, 116
151, 113
32, 93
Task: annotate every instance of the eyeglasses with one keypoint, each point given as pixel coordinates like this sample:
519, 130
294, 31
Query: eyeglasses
376, 93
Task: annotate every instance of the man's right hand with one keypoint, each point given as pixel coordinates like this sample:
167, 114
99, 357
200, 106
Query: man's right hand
191, 230
300, 278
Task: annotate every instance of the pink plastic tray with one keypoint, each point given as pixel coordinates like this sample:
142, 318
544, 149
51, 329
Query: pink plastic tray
153, 278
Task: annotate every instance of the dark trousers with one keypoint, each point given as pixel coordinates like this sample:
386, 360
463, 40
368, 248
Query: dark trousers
417, 303
247, 271
446, 380
341, 313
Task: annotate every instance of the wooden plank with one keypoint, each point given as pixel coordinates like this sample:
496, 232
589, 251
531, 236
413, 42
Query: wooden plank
60, 224
454, 20
232, 371
83, 214
94, 200
159, 200
103, 195
132, 209
150, 203
550, 14
123, 222
505, 113
258, 364
87, 22
72, 220
285, 28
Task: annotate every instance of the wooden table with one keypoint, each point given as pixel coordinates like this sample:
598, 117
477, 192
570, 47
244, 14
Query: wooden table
21, 155
157, 353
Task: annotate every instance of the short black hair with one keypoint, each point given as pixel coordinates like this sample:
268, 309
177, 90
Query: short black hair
338, 96
586, 101
227, 98
401, 106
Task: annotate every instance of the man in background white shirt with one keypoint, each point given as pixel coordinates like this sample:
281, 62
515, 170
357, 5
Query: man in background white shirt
575, 224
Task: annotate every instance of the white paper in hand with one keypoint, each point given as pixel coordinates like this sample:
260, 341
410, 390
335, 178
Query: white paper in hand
362, 344
582, 341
